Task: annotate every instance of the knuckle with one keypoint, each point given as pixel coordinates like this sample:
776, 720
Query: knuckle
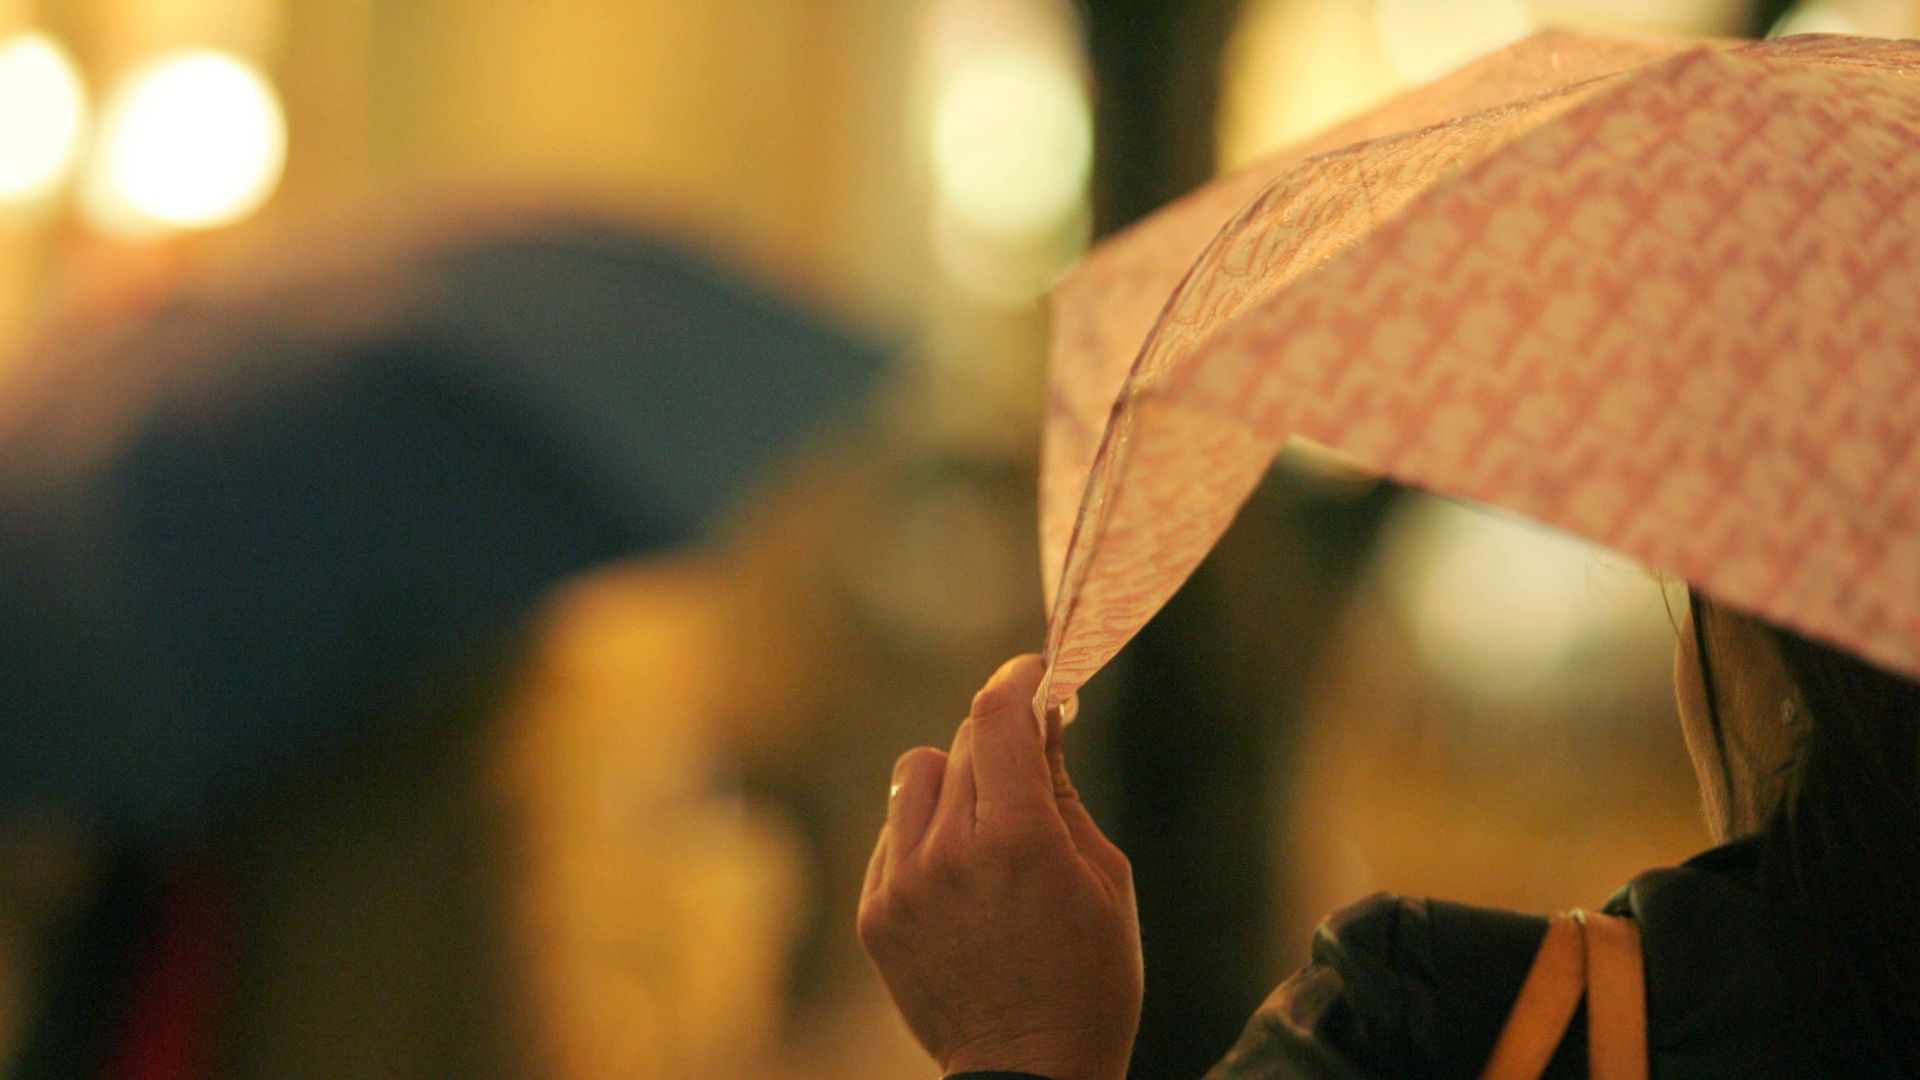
1017, 847
942, 865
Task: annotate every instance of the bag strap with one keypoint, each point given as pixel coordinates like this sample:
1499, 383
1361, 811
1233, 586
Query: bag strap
1616, 999
1546, 1004
1588, 954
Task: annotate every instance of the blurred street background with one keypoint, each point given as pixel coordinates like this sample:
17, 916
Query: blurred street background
615, 825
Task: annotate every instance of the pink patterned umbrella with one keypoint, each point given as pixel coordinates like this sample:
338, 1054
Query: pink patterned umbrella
1666, 298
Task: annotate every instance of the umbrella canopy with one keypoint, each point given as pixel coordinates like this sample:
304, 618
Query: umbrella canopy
233, 529
1660, 298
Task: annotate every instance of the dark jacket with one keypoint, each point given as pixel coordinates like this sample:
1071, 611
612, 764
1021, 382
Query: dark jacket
1400, 987
1420, 988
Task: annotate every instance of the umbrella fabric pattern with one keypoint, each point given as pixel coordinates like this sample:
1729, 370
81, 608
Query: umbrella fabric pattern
1104, 309
1668, 309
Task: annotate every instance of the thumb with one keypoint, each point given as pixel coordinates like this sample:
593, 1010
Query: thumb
1012, 780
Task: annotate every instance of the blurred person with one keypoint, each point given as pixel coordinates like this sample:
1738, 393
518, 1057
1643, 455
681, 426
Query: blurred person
278, 642
1002, 919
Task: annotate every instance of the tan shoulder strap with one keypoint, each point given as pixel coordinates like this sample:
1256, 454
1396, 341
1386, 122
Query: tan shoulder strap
1583, 953
1616, 999
1546, 1004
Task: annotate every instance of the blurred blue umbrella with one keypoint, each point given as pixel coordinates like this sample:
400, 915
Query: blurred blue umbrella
232, 530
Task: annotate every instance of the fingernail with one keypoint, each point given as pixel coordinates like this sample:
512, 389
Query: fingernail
894, 791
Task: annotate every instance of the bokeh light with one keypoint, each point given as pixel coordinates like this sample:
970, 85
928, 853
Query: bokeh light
1426, 38
1012, 140
1815, 18
1640, 18
1294, 67
43, 117
1508, 610
1863, 18
1008, 271
1009, 147
191, 140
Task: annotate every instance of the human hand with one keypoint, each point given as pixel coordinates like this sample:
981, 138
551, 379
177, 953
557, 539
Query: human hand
1000, 918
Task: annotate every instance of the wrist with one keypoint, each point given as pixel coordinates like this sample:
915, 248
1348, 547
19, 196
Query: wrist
1035, 1057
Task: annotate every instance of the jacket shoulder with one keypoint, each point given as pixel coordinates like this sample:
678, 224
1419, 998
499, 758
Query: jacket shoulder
1395, 986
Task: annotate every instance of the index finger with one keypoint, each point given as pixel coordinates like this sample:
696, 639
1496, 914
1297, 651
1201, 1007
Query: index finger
1011, 776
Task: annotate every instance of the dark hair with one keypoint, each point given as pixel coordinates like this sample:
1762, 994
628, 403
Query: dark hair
1841, 850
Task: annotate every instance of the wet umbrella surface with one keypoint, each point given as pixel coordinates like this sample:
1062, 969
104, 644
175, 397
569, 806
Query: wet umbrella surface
1660, 299
232, 529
